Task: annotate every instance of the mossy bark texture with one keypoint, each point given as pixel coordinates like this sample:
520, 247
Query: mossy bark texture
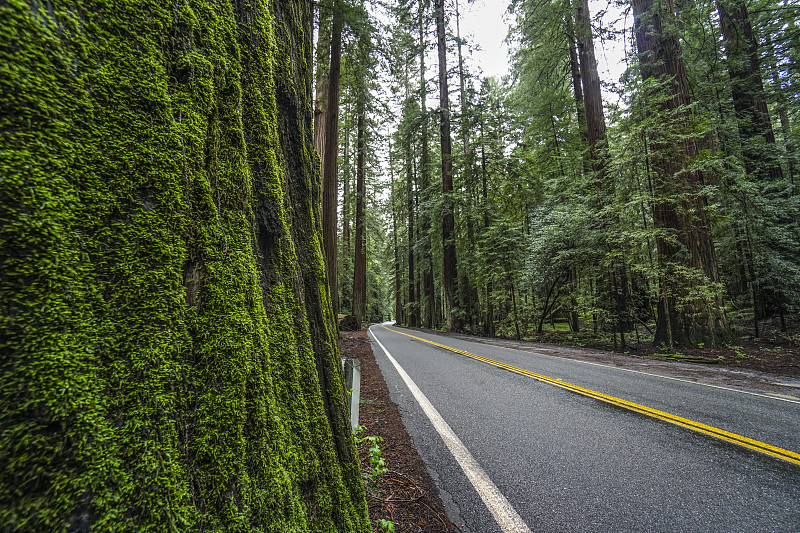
167, 359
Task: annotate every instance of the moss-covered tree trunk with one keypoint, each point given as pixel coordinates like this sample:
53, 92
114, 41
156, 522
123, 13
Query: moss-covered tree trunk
168, 361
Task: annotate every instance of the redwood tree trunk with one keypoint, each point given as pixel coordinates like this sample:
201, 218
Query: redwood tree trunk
685, 247
360, 255
450, 269
322, 59
577, 83
168, 354
398, 281
488, 324
346, 192
413, 305
424, 174
614, 286
330, 180
592, 94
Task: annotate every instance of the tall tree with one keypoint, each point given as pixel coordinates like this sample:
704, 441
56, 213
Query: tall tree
402, 65
169, 362
424, 171
747, 86
413, 303
577, 84
449, 268
684, 243
359, 256
592, 93
322, 63
398, 276
616, 279
330, 180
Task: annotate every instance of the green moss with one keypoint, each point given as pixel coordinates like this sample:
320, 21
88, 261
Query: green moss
168, 355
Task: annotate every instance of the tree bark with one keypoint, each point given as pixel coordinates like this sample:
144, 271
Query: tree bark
398, 281
614, 285
322, 60
177, 256
679, 209
577, 86
360, 253
425, 180
488, 324
330, 181
346, 193
450, 268
592, 93
783, 114
468, 294
413, 304
463, 99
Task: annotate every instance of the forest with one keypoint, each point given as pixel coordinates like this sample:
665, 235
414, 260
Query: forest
661, 207
192, 192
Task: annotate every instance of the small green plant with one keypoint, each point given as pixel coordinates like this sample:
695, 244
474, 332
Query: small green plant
666, 349
776, 350
701, 345
386, 525
372, 442
374, 451
740, 353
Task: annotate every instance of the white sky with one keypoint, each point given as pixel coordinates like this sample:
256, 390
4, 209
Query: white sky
484, 23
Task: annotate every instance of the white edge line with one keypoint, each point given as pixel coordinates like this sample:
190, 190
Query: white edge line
505, 515
767, 395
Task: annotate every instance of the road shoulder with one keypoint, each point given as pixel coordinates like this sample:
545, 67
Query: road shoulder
407, 495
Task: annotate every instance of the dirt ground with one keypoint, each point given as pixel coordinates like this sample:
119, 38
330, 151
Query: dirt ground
773, 352
406, 494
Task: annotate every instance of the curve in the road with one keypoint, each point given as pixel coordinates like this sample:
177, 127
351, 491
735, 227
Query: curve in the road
739, 440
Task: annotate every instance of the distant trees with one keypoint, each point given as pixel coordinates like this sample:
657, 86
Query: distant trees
348, 140
656, 216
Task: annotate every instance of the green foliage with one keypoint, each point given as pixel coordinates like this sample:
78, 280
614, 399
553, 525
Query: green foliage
378, 467
372, 443
740, 353
386, 525
160, 299
679, 219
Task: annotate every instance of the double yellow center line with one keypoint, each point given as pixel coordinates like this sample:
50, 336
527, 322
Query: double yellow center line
761, 447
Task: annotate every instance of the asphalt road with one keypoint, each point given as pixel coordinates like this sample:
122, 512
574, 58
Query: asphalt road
563, 461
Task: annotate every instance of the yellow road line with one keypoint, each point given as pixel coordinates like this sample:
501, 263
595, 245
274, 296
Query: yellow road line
761, 447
